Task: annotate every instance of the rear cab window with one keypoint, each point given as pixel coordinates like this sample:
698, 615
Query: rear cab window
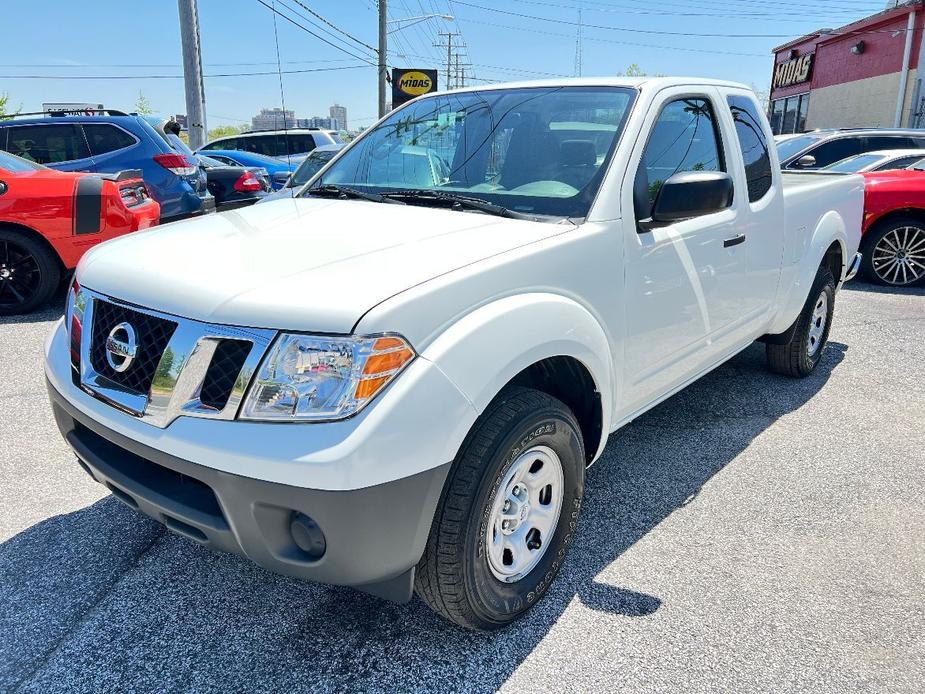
754, 146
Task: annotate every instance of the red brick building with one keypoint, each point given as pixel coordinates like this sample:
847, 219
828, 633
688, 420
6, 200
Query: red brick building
864, 74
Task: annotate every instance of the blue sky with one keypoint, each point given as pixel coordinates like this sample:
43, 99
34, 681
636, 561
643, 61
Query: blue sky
505, 39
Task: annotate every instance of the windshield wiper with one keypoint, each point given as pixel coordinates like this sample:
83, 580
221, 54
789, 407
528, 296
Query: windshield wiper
457, 201
344, 192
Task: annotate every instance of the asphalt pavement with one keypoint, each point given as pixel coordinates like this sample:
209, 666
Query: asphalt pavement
751, 534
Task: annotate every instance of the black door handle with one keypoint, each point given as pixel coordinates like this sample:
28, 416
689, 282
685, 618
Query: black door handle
734, 241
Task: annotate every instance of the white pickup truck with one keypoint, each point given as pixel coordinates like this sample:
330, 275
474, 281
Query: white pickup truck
396, 380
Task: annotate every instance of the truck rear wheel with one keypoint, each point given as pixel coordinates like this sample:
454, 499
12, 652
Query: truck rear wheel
508, 512
29, 273
799, 356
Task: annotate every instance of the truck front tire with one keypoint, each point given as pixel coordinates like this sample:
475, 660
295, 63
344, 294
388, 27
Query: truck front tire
799, 355
507, 514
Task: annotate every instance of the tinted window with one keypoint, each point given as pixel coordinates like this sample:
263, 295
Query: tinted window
15, 164
299, 144
231, 143
836, 150
48, 144
754, 146
792, 145
875, 143
103, 138
271, 145
901, 163
683, 138
221, 158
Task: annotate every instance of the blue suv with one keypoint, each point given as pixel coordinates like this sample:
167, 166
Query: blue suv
109, 142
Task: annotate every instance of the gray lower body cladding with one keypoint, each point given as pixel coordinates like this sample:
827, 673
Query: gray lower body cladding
373, 536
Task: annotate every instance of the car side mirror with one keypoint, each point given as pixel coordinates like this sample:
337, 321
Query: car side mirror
807, 161
690, 194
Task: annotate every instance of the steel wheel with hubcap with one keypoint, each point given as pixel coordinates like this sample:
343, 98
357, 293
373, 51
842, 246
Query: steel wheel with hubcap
894, 253
817, 324
508, 512
524, 514
796, 351
28, 273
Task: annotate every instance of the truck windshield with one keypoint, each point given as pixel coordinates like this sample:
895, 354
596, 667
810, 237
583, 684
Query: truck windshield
539, 151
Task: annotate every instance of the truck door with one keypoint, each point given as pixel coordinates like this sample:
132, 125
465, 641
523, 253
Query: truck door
680, 277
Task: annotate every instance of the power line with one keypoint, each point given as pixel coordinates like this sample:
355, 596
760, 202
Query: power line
177, 77
336, 28
661, 32
766, 16
312, 33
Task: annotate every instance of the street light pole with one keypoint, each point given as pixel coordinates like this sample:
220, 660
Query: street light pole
192, 73
383, 49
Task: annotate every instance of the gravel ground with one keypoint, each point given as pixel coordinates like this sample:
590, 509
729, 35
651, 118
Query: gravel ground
752, 533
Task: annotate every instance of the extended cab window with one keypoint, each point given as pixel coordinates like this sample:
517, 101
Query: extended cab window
48, 144
754, 146
104, 138
683, 138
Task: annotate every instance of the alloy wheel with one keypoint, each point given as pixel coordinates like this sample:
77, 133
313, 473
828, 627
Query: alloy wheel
899, 257
20, 276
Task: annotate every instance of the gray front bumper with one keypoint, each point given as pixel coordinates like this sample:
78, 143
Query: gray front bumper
374, 536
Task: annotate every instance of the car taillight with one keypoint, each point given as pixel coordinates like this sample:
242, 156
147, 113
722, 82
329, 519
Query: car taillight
177, 163
133, 194
248, 182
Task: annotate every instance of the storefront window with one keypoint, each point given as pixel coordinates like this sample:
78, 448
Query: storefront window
801, 113
777, 116
789, 115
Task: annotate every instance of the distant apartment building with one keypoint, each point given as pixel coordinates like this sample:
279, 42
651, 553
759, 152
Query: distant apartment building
339, 113
274, 119
318, 122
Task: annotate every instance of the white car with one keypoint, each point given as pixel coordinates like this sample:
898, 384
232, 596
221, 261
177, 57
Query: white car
394, 384
881, 160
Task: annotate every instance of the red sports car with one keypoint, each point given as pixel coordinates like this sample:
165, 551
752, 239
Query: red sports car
48, 219
893, 241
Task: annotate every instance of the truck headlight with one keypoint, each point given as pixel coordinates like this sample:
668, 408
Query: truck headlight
316, 377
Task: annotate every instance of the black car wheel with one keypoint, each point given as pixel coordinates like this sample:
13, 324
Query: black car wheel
29, 273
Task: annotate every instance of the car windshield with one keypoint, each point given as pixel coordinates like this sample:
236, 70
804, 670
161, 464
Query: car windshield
853, 164
13, 164
309, 167
538, 150
792, 145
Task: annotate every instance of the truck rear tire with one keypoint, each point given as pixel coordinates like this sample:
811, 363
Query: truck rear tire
799, 356
508, 512
29, 273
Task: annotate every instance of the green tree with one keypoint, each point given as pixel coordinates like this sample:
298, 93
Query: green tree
223, 131
142, 105
5, 106
635, 71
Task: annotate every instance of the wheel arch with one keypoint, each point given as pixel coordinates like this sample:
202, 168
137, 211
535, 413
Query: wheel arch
543, 341
916, 213
31, 233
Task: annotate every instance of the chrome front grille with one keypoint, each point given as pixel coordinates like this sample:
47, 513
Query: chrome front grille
181, 367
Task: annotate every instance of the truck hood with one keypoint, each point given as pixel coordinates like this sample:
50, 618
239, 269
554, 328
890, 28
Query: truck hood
297, 264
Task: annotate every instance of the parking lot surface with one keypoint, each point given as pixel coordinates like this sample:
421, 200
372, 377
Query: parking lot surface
752, 533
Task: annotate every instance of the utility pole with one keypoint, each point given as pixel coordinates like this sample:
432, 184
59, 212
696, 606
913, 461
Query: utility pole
192, 73
449, 52
383, 50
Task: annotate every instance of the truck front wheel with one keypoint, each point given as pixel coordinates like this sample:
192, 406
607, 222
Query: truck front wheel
508, 512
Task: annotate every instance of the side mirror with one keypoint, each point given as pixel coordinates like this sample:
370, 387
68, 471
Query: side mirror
807, 161
691, 194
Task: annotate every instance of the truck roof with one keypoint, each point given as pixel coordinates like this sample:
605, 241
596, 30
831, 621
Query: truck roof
606, 81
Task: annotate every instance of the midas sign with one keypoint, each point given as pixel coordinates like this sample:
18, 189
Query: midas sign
407, 84
793, 71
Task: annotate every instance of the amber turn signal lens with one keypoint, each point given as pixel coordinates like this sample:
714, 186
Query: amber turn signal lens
388, 356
